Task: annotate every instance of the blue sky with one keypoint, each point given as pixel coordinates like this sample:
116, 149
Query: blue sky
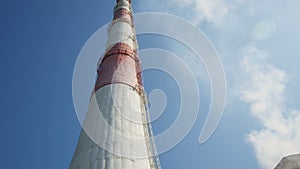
257, 42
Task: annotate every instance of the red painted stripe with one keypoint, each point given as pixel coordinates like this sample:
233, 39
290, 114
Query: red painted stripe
120, 65
123, 15
121, 48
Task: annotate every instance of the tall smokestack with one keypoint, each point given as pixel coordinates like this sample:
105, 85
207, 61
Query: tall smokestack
119, 95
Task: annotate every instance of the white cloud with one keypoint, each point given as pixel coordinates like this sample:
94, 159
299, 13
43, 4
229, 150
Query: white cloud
196, 10
211, 11
214, 10
265, 92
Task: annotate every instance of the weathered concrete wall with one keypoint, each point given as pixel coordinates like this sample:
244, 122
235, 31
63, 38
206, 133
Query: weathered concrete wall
289, 162
124, 135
